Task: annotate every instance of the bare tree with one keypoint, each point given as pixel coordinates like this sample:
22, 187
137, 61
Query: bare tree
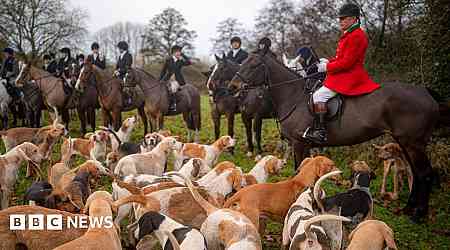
276, 21
166, 30
227, 29
108, 38
35, 27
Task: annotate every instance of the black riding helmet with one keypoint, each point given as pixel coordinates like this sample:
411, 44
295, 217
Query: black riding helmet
264, 43
65, 50
8, 50
175, 48
349, 9
95, 46
122, 45
47, 57
235, 39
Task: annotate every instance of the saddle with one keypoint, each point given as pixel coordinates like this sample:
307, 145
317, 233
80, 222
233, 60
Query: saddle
334, 106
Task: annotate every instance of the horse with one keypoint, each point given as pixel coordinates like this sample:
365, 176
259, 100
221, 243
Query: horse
51, 88
253, 103
86, 102
156, 97
109, 91
34, 103
408, 113
222, 101
5, 100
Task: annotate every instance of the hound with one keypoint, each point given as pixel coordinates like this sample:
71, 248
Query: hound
208, 153
269, 165
186, 238
274, 199
372, 235
9, 167
102, 235
393, 158
93, 148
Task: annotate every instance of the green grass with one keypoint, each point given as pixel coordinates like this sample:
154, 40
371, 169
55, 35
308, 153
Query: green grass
433, 235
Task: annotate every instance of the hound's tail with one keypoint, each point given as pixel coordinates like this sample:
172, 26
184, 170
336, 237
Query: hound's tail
317, 188
208, 207
172, 240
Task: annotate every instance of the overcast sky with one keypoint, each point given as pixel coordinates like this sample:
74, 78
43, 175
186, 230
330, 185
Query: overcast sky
201, 15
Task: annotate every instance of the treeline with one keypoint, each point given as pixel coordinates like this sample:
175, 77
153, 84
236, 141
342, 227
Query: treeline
409, 40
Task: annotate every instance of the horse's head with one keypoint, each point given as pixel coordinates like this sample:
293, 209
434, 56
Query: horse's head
85, 74
24, 74
222, 72
253, 72
294, 64
74, 72
130, 77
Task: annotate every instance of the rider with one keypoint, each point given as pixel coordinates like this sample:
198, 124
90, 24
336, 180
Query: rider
9, 72
264, 45
80, 60
50, 64
64, 63
172, 66
97, 59
345, 72
123, 64
236, 54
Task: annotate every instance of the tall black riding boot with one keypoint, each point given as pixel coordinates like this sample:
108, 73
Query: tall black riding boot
318, 133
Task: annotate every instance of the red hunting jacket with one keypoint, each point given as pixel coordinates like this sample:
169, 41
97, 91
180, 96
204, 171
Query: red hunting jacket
345, 72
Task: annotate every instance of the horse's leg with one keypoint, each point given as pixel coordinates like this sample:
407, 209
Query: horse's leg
419, 197
230, 120
257, 127
215, 115
105, 117
300, 150
143, 116
82, 116
248, 130
91, 117
186, 120
160, 121
66, 117
116, 119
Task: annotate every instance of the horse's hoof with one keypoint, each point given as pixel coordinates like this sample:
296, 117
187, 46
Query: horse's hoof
249, 154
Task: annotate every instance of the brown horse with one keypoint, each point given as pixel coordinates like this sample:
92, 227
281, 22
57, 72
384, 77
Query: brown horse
51, 89
109, 90
157, 101
86, 102
406, 112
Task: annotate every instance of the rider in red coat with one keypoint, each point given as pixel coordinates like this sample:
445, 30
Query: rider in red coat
345, 72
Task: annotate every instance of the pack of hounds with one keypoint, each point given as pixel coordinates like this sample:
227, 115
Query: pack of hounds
199, 203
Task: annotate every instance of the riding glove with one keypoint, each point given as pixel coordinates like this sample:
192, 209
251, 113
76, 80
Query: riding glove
322, 67
324, 60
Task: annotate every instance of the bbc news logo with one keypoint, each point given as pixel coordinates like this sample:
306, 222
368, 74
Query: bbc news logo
56, 222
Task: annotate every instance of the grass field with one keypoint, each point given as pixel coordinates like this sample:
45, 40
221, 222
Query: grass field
433, 235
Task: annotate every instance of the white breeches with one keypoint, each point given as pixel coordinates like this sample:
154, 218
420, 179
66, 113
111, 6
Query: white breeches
323, 94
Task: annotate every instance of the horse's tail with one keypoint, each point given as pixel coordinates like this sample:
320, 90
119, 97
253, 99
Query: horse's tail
444, 108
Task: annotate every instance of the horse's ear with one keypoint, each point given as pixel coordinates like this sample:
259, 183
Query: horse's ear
285, 60
218, 59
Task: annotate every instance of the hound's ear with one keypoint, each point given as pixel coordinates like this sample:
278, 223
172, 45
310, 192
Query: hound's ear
236, 180
389, 238
305, 162
196, 164
218, 59
271, 165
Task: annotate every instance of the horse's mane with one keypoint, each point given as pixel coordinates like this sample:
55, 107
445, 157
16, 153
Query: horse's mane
279, 63
41, 71
146, 73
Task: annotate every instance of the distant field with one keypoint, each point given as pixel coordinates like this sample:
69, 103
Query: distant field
433, 235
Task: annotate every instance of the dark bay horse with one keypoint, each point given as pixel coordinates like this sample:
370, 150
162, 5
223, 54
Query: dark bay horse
157, 102
222, 100
85, 102
406, 112
254, 105
109, 91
